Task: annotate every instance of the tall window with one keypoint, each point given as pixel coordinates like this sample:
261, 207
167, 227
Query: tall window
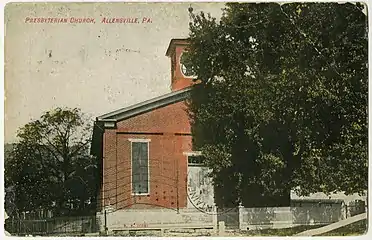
140, 166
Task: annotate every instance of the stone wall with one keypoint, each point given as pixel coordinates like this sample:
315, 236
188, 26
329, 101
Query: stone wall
157, 219
285, 217
302, 213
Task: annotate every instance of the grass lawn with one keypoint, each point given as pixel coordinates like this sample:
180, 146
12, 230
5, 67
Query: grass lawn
354, 229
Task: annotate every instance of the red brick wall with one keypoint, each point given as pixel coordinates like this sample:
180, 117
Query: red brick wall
165, 154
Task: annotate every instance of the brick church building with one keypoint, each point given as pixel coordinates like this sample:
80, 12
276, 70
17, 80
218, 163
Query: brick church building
145, 150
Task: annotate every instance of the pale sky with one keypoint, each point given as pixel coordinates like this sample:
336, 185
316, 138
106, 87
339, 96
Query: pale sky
98, 67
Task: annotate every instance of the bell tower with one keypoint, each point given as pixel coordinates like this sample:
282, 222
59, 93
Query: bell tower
180, 76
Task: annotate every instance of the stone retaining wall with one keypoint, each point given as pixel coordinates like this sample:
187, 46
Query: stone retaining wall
157, 219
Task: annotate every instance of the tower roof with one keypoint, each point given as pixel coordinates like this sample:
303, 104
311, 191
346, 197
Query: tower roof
174, 42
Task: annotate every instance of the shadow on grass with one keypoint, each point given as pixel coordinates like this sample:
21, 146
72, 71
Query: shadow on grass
353, 229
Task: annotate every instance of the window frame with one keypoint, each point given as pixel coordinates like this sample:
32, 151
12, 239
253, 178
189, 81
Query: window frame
193, 154
140, 140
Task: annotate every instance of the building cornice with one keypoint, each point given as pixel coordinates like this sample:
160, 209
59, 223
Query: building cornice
143, 107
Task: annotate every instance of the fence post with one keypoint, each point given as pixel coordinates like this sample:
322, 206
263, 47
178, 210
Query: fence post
221, 228
344, 211
366, 207
82, 225
106, 230
240, 212
178, 207
19, 226
215, 218
161, 219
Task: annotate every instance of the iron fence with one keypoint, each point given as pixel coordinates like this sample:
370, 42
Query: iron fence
355, 208
230, 216
52, 226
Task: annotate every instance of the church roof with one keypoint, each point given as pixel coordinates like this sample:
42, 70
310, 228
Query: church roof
110, 119
145, 106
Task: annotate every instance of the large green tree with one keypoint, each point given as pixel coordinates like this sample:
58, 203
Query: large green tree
50, 167
282, 99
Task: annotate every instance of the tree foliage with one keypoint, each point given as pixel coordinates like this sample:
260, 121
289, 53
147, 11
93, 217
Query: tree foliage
50, 167
282, 99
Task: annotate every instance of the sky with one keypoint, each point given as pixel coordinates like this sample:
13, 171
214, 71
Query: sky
96, 66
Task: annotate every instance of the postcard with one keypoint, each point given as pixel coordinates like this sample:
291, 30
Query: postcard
186, 119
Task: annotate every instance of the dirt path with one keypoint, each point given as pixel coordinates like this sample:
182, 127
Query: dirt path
333, 226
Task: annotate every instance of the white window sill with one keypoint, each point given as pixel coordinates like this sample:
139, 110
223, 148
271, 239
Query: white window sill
140, 194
